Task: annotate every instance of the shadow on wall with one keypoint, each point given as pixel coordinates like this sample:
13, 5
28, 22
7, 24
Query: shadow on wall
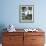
2, 26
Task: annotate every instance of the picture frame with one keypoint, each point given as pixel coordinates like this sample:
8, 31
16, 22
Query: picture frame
26, 13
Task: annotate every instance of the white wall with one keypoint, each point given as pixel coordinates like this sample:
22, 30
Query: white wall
10, 13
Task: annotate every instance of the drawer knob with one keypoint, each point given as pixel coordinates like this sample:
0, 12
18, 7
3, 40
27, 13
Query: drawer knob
11, 38
33, 39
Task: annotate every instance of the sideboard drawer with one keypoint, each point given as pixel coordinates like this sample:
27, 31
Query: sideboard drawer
37, 39
34, 33
13, 33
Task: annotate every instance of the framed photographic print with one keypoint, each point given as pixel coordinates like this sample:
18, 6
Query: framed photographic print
26, 13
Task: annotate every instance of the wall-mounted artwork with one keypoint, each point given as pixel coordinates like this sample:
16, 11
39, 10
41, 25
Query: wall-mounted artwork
26, 13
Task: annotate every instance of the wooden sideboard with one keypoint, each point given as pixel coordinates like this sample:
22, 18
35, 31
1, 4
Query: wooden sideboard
23, 39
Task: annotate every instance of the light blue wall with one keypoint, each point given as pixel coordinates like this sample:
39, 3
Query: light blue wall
9, 13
